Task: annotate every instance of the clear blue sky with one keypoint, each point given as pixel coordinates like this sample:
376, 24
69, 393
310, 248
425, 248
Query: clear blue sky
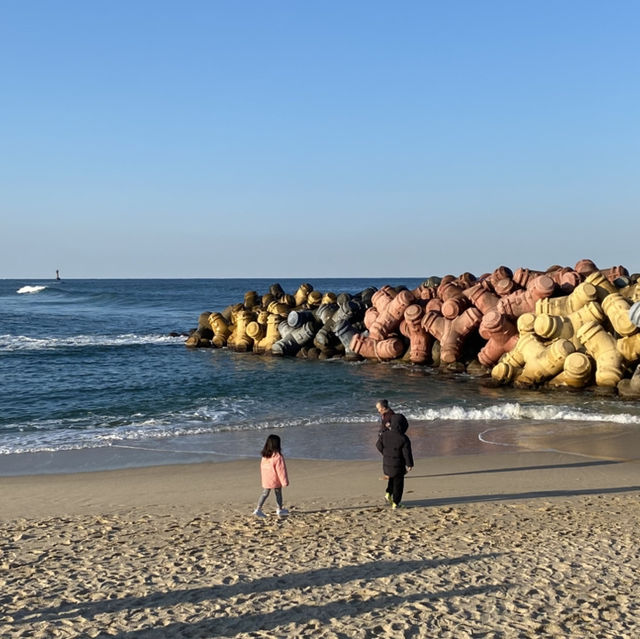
310, 139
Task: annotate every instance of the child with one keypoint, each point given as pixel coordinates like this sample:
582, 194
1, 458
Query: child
274, 475
397, 458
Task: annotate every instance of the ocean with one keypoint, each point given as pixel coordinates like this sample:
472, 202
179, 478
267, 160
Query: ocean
91, 379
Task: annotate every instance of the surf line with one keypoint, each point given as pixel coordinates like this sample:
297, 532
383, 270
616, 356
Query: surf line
180, 452
205, 452
482, 437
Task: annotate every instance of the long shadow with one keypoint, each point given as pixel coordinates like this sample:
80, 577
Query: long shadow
470, 499
318, 511
516, 469
538, 494
320, 577
230, 626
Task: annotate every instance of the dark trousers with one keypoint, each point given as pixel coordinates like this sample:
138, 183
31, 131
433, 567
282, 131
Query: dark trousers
395, 487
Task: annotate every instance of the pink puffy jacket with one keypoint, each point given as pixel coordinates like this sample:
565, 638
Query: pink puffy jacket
274, 471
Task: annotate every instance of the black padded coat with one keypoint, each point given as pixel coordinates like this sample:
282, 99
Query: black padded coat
395, 447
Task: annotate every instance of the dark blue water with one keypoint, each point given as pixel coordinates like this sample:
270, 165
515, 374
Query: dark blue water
89, 365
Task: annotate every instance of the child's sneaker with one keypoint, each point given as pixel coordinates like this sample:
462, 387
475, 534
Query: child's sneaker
282, 512
258, 513
396, 506
388, 497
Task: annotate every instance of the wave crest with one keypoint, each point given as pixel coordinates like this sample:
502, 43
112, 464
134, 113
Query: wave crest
514, 411
24, 343
30, 289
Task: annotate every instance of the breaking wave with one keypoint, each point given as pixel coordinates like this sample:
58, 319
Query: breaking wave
22, 342
521, 412
30, 289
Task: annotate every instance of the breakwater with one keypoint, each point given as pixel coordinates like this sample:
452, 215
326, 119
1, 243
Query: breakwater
566, 327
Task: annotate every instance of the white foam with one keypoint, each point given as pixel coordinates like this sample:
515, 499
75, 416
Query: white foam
518, 412
22, 342
30, 289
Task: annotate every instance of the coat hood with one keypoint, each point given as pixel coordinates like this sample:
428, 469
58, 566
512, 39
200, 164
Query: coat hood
396, 423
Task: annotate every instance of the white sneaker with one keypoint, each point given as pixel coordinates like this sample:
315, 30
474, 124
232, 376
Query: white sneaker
282, 512
258, 513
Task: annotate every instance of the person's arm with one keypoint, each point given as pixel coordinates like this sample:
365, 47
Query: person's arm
379, 444
281, 470
407, 454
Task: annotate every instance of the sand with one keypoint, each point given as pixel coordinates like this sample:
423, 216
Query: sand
508, 545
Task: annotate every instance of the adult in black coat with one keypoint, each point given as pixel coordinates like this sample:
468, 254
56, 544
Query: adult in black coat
397, 458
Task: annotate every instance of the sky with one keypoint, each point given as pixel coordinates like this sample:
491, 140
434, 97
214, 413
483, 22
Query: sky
317, 139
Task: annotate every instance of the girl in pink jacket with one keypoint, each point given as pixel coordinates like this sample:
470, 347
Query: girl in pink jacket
274, 475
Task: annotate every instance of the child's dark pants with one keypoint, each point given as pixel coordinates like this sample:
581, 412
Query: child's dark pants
395, 487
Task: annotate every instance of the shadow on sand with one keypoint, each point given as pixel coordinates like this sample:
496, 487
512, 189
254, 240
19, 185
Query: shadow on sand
534, 494
228, 625
517, 469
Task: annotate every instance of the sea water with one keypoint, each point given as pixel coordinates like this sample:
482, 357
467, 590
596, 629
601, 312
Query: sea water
91, 378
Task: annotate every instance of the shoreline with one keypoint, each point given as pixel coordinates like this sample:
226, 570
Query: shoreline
352, 441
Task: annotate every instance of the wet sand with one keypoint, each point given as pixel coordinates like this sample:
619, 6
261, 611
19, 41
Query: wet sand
503, 545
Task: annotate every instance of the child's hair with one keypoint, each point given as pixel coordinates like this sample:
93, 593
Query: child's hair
271, 446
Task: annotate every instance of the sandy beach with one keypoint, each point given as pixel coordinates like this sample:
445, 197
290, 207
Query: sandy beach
505, 545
